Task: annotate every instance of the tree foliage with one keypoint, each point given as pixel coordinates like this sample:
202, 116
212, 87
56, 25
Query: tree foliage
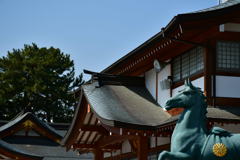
38, 79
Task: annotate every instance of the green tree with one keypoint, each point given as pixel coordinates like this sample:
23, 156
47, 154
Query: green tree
38, 79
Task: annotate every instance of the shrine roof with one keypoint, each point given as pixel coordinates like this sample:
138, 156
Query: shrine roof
52, 152
13, 152
118, 105
213, 13
28, 117
229, 3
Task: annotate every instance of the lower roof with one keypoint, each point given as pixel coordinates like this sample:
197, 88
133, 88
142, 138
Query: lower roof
52, 152
14, 152
215, 114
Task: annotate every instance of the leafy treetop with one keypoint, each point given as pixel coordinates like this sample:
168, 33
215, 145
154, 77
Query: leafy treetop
38, 79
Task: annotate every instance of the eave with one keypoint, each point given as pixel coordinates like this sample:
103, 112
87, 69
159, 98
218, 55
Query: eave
181, 27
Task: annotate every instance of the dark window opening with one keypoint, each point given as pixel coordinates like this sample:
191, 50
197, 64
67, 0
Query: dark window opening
228, 56
187, 64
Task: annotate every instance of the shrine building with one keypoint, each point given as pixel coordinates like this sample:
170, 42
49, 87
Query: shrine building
119, 115
26, 137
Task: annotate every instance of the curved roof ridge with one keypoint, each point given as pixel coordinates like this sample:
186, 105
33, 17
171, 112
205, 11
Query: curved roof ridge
120, 105
229, 3
31, 117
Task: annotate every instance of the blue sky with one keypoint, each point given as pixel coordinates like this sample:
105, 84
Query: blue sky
95, 33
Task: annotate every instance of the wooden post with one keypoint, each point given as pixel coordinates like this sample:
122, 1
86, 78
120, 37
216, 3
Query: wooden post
142, 148
209, 73
98, 154
157, 86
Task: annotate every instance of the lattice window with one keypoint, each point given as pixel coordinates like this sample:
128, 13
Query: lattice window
188, 64
177, 69
228, 56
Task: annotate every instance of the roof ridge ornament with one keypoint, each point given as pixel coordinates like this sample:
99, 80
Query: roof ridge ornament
110, 79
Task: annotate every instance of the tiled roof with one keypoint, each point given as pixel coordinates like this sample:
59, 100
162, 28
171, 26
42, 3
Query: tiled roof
229, 3
216, 11
18, 152
53, 152
120, 105
28, 116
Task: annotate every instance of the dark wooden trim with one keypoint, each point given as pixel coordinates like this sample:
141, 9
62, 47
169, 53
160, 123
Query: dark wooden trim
94, 128
192, 78
156, 86
142, 151
224, 101
171, 75
98, 154
83, 146
228, 73
209, 72
89, 135
109, 140
77, 122
84, 131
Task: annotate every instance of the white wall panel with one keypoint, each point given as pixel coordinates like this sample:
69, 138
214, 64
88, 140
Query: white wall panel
150, 81
227, 86
197, 82
163, 94
126, 147
163, 140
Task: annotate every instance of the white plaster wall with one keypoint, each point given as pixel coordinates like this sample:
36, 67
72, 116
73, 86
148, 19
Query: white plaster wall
163, 140
231, 27
152, 142
126, 147
227, 86
163, 94
150, 82
197, 82
106, 154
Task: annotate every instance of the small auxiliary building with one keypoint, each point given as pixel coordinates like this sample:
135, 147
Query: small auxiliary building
28, 138
119, 114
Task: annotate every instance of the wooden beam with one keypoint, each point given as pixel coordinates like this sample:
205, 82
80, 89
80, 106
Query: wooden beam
77, 122
77, 145
226, 101
92, 146
143, 150
209, 70
109, 140
95, 128
95, 137
98, 154
89, 120
90, 134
